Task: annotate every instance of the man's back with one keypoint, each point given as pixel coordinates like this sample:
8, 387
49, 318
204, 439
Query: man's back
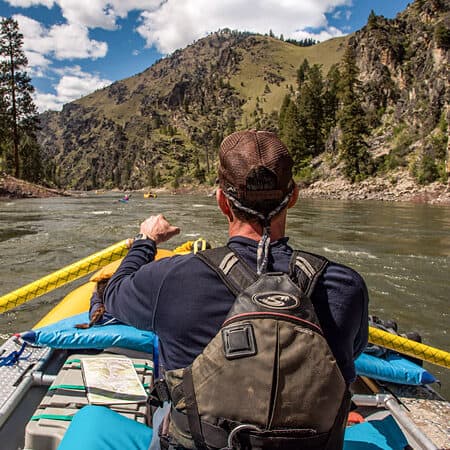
185, 302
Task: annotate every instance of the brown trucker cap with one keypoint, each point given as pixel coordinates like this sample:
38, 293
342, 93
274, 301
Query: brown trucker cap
255, 166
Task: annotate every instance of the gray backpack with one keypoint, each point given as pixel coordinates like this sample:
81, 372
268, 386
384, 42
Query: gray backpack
268, 379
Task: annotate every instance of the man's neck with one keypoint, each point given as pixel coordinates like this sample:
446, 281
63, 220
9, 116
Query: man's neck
253, 230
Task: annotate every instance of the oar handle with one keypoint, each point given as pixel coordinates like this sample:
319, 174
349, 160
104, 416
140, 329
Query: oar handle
409, 347
63, 276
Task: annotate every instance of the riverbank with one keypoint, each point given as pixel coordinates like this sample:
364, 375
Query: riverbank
11, 187
398, 187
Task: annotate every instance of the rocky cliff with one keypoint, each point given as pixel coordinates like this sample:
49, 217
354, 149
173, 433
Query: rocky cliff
404, 71
404, 75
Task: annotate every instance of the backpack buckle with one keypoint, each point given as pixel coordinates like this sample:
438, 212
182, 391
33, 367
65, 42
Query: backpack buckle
239, 341
237, 430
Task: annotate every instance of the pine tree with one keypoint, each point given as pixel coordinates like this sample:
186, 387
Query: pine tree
330, 99
310, 110
301, 72
352, 147
282, 115
15, 85
292, 136
29, 154
372, 20
3, 129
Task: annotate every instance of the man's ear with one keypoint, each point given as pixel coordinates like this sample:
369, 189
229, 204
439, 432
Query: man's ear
294, 197
223, 204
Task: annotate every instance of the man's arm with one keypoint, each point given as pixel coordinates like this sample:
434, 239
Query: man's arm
131, 294
342, 306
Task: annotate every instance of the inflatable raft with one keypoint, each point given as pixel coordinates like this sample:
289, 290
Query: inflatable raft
46, 399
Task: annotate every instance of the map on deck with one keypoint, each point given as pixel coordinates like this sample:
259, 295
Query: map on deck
111, 381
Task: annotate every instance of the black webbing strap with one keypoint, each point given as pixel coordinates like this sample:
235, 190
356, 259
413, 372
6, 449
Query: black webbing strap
215, 436
305, 269
159, 393
193, 416
230, 267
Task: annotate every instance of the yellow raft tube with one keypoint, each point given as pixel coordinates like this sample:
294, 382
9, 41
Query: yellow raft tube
77, 301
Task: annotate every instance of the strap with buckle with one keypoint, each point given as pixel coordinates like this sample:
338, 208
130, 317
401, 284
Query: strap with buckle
159, 393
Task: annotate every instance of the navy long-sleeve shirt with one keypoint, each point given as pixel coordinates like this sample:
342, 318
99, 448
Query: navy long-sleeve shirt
184, 302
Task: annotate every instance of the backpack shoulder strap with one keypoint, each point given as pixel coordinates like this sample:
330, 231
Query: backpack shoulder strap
305, 269
230, 267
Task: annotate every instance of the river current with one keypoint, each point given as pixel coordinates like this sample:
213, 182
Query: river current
401, 249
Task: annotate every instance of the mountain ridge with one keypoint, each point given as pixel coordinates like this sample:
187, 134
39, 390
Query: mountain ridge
163, 126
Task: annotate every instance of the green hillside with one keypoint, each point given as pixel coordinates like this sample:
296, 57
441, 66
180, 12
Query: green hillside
164, 125
173, 115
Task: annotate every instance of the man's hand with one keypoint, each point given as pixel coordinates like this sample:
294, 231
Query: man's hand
158, 229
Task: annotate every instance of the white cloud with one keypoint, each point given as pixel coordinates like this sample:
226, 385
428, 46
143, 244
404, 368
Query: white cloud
28, 3
92, 13
177, 23
88, 13
72, 41
46, 102
37, 63
73, 84
171, 24
330, 32
64, 41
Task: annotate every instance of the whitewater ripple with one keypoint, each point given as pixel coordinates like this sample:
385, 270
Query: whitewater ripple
357, 253
100, 213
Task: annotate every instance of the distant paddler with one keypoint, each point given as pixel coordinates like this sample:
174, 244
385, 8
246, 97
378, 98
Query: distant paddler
150, 195
125, 198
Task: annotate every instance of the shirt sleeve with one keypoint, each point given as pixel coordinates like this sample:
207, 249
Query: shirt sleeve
343, 312
132, 292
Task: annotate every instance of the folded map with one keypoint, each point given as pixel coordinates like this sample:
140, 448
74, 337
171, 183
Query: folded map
111, 381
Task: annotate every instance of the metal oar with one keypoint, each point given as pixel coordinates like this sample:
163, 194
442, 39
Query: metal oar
62, 276
389, 402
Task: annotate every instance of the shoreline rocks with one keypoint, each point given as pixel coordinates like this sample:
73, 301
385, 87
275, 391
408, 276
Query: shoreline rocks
399, 187
11, 187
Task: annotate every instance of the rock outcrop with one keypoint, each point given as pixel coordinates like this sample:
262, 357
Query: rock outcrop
11, 187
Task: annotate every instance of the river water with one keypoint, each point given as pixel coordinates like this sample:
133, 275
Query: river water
401, 249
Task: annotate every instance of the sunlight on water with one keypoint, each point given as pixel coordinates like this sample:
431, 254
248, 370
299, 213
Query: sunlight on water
101, 213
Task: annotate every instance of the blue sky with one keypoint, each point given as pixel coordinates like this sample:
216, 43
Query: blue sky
77, 46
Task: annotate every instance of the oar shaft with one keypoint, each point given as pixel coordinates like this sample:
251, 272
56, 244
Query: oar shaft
62, 276
409, 347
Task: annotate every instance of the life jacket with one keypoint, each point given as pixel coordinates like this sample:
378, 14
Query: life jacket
268, 379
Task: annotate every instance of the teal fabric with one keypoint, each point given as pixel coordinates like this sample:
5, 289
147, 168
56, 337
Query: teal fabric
394, 368
63, 334
382, 434
99, 428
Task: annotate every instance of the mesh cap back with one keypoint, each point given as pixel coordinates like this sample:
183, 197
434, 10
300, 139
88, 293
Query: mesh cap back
255, 166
